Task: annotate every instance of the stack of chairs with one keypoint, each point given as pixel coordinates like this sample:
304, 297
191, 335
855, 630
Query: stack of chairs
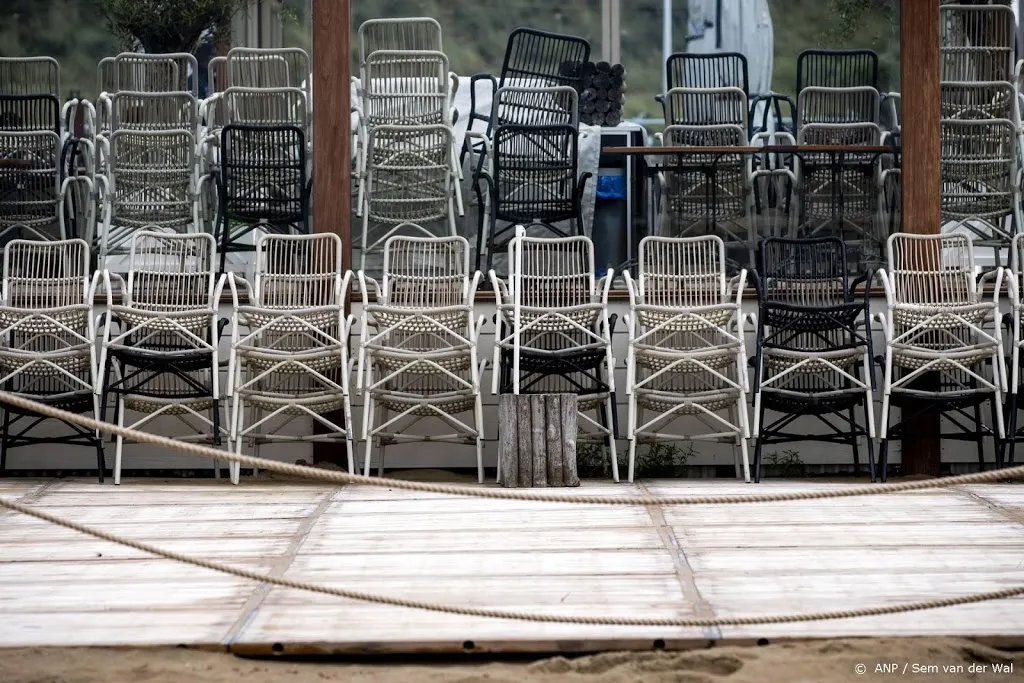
406, 161
981, 126
45, 177
527, 156
838, 103
147, 141
707, 106
257, 145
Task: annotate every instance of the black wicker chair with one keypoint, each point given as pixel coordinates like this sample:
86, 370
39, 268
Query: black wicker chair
262, 184
813, 347
533, 59
535, 181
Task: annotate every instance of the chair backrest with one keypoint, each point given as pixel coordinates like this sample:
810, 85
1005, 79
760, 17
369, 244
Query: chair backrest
250, 67
708, 70
263, 172
410, 169
978, 159
169, 272
976, 42
932, 269
543, 59
402, 33
818, 104
151, 111
718, 135
152, 175
263, 107
30, 76
979, 100
32, 180
40, 274
682, 271
836, 69
535, 106
298, 271
551, 272
706, 106
425, 272
535, 173
29, 113
143, 72
803, 272
406, 88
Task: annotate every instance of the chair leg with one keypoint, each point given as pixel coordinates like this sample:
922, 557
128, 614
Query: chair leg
853, 442
979, 437
119, 447
101, 464
870, 440
4, 436
610, 438
746, 459
883, 458
349, 450
368, 422
478, 417
1010, 442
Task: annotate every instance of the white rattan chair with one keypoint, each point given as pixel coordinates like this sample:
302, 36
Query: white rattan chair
418, 355
409, 182
943, 347
292, 359
687, 354
554, 333
149, 184
160, 353
48, 341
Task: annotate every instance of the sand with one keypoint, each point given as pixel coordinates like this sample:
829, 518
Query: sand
833, 661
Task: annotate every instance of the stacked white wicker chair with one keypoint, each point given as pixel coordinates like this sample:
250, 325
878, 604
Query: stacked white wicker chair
709, 117
554, 332
418, 353
938, 320
147, 174
981, 125
849, 116
289, 344
52, 175
687, 352
160, 351
406, 162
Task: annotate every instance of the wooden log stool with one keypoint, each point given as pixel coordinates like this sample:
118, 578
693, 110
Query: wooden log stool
537, 440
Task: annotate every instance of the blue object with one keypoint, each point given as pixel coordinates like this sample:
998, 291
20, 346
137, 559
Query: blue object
611, 187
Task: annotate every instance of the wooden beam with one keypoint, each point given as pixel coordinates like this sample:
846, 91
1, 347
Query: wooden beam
919, 78
332, 149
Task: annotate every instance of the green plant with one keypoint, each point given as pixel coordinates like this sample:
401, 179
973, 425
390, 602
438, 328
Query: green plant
789, 463
161, 26
590, 461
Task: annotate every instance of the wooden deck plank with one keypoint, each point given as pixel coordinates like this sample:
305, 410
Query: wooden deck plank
60, 587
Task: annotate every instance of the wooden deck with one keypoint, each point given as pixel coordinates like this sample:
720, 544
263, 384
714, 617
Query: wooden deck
58, 587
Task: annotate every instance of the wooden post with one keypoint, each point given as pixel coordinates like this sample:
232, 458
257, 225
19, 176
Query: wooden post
919, 77
332, 153
537, 440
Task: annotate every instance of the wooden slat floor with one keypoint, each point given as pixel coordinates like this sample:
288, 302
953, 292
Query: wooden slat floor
58, 587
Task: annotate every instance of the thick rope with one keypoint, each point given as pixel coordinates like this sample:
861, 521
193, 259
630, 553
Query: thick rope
335, 477
505, 614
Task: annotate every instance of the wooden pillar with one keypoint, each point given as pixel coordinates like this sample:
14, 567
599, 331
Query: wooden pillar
332, 153
919, 79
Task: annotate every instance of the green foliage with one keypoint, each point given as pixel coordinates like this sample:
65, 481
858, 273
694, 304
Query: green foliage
788, 463
656, 461
169, 25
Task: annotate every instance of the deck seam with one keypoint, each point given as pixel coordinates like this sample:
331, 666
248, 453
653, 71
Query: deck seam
1006, 513
34, 495
252, 605
684, 572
